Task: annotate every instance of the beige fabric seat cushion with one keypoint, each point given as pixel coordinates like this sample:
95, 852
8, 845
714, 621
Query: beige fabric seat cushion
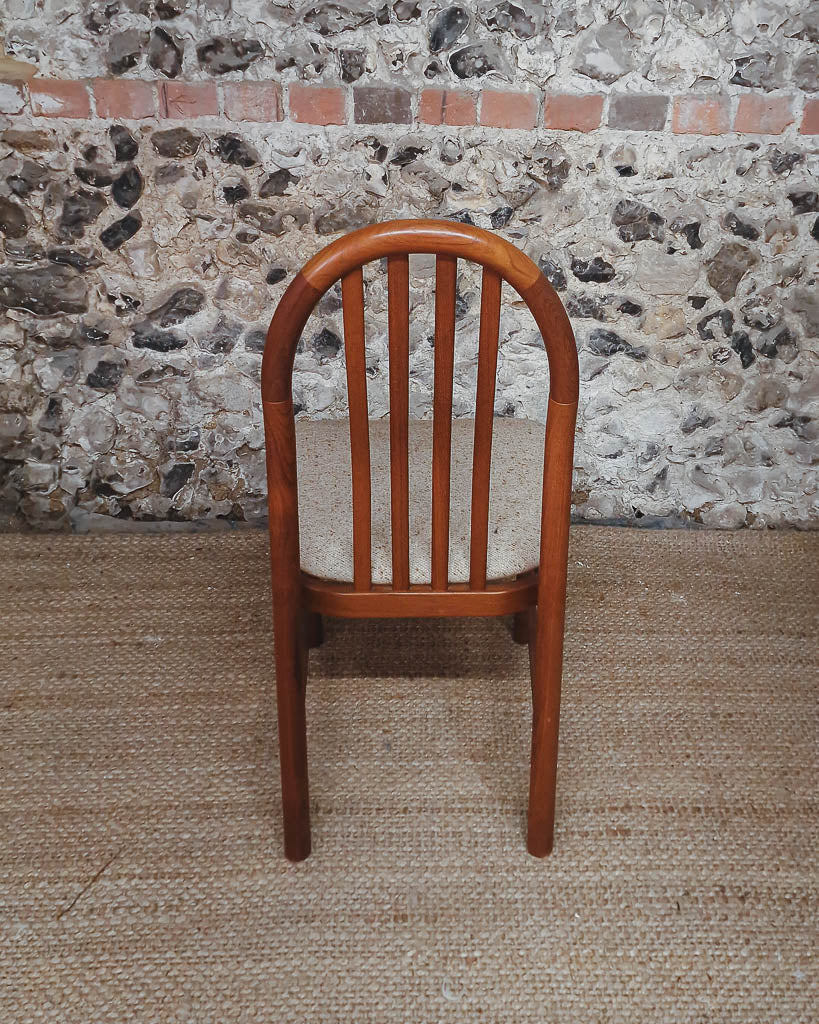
325, 499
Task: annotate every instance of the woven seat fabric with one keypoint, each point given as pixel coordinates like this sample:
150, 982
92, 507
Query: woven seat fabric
325, 499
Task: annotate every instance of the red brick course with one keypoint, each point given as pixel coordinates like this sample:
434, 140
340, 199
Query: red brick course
445, 106
508, 109
810, 118
125, 98
316, 104
701, 115
252, 101
573, 113
184, 100
763, 114
51, 97
382, 104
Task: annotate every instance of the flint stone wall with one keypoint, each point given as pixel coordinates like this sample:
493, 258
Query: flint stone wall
173, 164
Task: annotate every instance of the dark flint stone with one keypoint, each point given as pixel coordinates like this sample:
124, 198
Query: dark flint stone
121, 230
697, 301
726, 319
625, 170
222, 339
696, 420
51, 422
221, 55
235, 193
741, 344
165, 11
432, 69
277, 183
79, 209
585, 307
596, 269
127, 188
814, 231
165, 53
276, 274
407, 155
175, 479
175, 142
44, 291
123, 303
692, 234
630, 308
326, 344
804, 202
169, 174
145, 335
125, 50
727, 268
500, 218
73, 258
461, 216
782, 163
183, 303
90, 333
461, 306
106, 375
740, 227
555, 171
247, 237
508, 16
331, 301
607, 343
406, 10
635, 221
30, 177
231, 149
344, 218
382, 15
353, 64
23, 252
473, 61
96, 177
13, 220
448, 26
331, 18
90, 154
798, 425
255, 341
125, 145
780, 336
553, 273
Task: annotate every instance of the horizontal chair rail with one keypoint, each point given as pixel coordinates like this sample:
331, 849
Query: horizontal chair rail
501, 597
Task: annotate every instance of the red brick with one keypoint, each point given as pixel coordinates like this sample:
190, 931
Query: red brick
53, 98
445, 106
12, 97
381, 104
316, 104
124, 97
180, 101
508, 109
701, 115
573, 113
763, 115
810, 118
252, 101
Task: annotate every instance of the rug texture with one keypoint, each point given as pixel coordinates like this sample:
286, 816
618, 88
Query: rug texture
141, 867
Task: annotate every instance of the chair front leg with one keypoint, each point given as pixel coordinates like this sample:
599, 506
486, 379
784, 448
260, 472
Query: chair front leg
291, 679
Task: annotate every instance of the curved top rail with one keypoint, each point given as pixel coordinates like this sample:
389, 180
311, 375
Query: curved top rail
397, 237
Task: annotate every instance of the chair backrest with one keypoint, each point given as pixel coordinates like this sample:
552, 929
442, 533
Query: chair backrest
395, 241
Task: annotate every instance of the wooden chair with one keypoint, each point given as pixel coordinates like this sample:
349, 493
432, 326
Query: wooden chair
536, 597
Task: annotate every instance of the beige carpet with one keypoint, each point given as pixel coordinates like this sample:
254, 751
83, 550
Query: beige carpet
141, 873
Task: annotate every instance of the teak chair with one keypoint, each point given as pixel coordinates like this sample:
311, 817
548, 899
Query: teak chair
535, 596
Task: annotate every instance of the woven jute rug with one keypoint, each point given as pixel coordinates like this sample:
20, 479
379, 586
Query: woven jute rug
142, 875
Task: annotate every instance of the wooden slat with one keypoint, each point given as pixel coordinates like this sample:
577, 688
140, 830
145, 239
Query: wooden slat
398, 282
484, 409
446, 268
352, 297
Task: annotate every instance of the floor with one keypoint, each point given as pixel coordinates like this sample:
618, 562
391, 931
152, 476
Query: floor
141, 873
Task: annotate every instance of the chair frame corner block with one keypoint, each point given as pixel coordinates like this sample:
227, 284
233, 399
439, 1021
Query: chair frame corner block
537, 599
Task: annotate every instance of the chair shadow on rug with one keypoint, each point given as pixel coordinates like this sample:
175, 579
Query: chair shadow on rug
415, 543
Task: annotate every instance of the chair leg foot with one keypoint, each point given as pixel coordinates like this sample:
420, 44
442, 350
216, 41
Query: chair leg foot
314, 629
291, 679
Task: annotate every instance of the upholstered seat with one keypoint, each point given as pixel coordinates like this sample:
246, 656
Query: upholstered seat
325, 499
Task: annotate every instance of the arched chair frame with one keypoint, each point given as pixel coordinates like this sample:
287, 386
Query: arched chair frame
537, 599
